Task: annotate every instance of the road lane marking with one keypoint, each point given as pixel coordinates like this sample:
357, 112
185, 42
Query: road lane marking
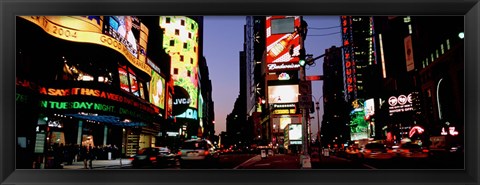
247, 161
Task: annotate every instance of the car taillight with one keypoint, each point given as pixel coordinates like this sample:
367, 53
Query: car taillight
179, 153
406, 151
368, 151
206, 152
153, 158
131, 158
425, 150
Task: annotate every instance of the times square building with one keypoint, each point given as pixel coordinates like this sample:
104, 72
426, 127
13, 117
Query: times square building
81, 82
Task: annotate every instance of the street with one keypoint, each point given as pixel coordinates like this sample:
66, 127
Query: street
284, 161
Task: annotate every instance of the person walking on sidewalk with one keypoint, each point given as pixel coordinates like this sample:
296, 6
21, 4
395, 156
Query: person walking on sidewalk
84, 156
91, 155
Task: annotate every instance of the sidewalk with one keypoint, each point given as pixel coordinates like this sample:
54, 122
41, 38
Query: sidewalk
100, 164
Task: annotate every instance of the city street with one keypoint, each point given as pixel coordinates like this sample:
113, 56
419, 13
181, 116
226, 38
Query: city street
284, 161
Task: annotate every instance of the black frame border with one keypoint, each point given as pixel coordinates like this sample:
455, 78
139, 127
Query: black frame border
11, 8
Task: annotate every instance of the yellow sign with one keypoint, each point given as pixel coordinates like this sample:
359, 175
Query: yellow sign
86, 36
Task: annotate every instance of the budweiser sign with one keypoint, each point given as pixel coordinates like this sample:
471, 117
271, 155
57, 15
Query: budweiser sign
283, 66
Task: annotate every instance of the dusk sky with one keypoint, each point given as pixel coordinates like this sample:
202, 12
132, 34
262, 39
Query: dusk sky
223, 40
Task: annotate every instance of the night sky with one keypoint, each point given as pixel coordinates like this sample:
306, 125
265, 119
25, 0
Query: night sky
223, 40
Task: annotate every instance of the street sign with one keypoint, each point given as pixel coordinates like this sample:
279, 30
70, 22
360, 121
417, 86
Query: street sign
314, 78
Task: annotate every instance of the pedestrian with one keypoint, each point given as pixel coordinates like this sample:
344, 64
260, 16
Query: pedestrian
90, 156
84, 156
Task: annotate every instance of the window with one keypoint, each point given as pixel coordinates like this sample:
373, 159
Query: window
181, 58
184, 45
175, 71
167, 20
182, 22
172, 42
188, 73
448, 44
177, 32
189, 35
191, 60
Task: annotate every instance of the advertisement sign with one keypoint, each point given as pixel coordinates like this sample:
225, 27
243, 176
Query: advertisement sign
283, 41
350, 66
180, 41
283, 94
284, 120
358, 124
409, 53
157, 90
295, 133
402, 103
369, 107
85, 30
126, 29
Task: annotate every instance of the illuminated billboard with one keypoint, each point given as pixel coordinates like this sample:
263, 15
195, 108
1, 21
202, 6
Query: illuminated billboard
157, 90
88, 29
358, 125
283, 94
128, 81
180, 41
295, 132
283, 41
284, 120
403, 103
126, 29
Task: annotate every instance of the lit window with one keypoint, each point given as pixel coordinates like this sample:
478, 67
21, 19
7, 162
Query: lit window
437, 53
406, 19
443, 50
448, 44
432, 57
410, 29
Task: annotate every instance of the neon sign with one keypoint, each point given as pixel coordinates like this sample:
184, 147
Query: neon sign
415, 129
451, 131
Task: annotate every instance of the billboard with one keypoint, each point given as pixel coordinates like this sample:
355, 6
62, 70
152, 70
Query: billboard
284, 120
294, 134
283, 94
403, 103
157, 90
88, 29
180, 41
126, 29
358, 125
283, 41
128, 81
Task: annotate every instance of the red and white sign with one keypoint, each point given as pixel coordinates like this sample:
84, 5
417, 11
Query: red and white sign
280, 45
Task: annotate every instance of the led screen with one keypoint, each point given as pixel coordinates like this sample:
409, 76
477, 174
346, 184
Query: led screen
157, 90
126, 29
286, 25
283, 41
180, 41
295, 132
283, 94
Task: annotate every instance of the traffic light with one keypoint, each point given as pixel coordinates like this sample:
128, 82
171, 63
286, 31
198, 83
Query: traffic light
302, 56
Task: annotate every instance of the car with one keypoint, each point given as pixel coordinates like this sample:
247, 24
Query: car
154, 157
198, 151
412, 150
352, 152
376, 151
